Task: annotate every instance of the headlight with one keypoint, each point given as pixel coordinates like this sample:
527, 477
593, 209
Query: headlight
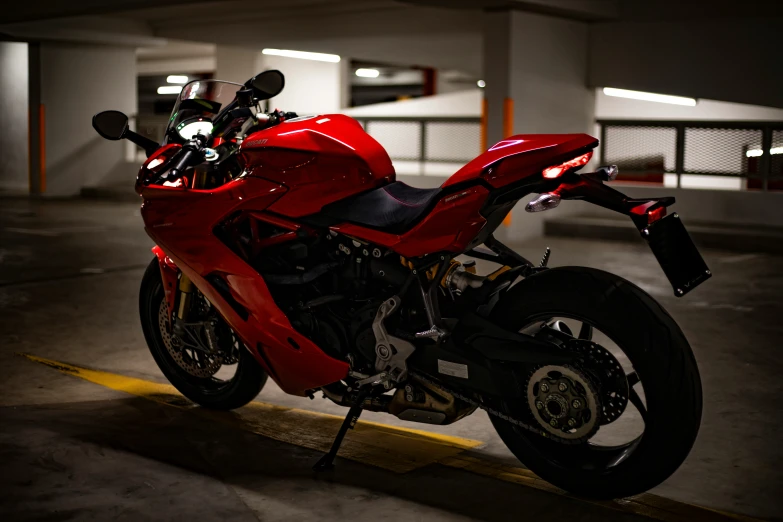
188, 130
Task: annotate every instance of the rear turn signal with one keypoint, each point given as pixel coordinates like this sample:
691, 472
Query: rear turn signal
558, 170
543, 202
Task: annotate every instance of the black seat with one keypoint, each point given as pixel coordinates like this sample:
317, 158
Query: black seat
393, 208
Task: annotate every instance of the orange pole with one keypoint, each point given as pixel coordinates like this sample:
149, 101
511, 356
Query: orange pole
42, 149
483, 138
507, 220
508, 130
508, 117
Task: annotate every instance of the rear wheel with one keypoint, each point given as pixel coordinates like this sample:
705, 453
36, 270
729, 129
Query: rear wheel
224, 379
624, 419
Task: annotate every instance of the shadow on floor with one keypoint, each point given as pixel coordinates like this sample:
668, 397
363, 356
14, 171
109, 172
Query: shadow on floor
133, 459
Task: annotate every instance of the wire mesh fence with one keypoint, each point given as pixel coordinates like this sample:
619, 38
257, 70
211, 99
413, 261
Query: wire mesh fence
720, 151
643, 152
775, 181
749, 152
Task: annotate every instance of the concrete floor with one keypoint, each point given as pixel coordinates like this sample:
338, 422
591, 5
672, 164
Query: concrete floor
70, 449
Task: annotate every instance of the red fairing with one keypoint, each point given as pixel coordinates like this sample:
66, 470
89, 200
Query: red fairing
524, 155
450, 227
155, 164
321, 159
181, 222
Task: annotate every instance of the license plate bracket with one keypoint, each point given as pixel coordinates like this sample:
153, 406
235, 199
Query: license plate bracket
677, 254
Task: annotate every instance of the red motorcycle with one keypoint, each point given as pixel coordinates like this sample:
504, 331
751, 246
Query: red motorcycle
286, 248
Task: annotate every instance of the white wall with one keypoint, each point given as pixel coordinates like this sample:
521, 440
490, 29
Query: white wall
466, 103
13, 108
78, 81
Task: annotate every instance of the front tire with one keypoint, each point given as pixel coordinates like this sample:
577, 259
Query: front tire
663, 362
209, 392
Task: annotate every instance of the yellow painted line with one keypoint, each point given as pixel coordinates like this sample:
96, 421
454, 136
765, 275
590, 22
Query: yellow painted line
389, 447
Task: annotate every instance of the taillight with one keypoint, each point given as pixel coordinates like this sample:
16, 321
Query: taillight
558, 170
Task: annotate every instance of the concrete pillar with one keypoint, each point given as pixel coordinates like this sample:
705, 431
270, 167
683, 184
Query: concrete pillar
237, 64
497, 74
73, 82
13, 107
311, 87
535, 69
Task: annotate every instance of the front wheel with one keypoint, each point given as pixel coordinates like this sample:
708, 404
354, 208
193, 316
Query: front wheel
625, 418
222, 379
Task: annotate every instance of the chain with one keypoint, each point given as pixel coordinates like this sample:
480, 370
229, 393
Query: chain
492, 411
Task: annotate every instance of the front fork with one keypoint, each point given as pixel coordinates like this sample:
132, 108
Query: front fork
186, 288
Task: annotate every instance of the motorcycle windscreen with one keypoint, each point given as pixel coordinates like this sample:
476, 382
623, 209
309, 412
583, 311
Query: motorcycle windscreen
678, 256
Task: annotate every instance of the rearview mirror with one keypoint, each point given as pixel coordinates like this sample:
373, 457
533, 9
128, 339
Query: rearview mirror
267, 84
112, 125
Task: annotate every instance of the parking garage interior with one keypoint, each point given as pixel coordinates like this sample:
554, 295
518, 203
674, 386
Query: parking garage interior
685, 98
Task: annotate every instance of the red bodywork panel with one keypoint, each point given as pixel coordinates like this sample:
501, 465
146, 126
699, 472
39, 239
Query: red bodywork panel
522, 155
155, 164
181, 222
293, 170
321, 160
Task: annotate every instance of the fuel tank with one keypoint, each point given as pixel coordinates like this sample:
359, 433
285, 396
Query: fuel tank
320, 159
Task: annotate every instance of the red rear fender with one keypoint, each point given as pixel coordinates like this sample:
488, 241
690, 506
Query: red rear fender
521, 156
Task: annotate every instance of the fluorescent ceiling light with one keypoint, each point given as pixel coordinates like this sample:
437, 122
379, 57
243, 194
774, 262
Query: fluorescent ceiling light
481, 83
649, 96
319, 57
755, 153
177, 78
169, 89
368, 73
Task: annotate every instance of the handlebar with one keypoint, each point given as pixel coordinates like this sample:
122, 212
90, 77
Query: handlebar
192, 152
273, 118
191, 155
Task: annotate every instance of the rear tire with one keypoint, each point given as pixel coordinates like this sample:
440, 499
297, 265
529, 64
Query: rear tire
660, 355
242, 388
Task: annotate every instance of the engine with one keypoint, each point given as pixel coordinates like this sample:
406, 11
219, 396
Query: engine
330, 286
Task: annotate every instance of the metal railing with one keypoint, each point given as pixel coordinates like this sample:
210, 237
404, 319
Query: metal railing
435, 139
645, 150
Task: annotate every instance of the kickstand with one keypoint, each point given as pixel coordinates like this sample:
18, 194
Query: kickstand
326, 462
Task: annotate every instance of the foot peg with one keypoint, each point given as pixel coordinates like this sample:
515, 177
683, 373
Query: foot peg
433, 333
